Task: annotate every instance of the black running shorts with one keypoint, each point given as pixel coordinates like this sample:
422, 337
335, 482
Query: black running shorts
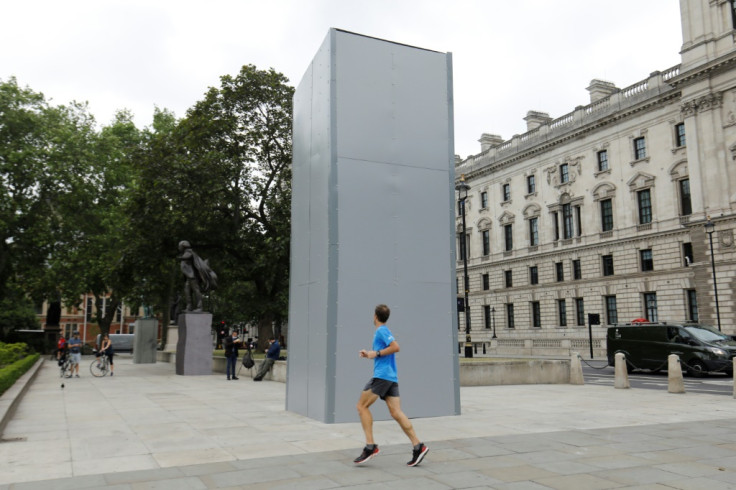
382, 387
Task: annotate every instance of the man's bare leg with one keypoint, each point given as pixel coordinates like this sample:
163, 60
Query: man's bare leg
367, 398
394, 408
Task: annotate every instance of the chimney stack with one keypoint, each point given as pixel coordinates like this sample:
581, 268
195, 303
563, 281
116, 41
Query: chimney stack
534, 119
489, 141
600, 89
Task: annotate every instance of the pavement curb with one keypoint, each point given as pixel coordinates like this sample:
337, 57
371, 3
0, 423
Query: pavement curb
10, 400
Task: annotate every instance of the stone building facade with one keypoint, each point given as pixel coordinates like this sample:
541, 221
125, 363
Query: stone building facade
602, 211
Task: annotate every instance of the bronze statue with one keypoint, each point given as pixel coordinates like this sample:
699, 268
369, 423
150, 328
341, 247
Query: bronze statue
198, 276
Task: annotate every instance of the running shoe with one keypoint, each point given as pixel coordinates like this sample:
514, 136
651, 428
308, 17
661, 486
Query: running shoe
418, 455
366, 455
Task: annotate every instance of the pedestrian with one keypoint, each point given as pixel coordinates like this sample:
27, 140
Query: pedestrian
272, 355
107, 350
231, 354
75, 348
384, 385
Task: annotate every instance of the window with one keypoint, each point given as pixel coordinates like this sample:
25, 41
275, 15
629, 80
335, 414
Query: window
645, 207
559, 272
506, 192
485, 279
556, 225
486, 242
580, 312
531, 185
533, 275
577, 273
118, 313
562, 309
686, 206
483, 200
464, 246
508, 279
564, 173
487, 316
607, 215
640, 148
533, 232
692, 305
680, 134
536, 315
647, 263
602, 160
508, 238
611, 311
578, 222
607, 262
510, 315
650, 307
687, 253
566, 221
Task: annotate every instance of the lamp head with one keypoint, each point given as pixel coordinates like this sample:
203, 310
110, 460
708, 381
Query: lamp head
462, 188
709, 226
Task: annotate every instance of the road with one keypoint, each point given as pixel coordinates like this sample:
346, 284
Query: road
713, 384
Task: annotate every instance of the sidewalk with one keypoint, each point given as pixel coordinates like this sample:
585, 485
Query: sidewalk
148, 428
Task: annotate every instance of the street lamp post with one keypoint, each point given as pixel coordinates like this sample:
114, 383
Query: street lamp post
462, 189
709, 228
493, 321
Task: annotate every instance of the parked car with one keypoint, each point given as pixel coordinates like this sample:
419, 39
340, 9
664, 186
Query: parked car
647, 345
121, 342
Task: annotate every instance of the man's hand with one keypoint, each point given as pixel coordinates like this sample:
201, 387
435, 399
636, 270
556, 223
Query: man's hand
365, 353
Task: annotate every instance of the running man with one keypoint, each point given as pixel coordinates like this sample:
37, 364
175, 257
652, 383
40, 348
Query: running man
384, 385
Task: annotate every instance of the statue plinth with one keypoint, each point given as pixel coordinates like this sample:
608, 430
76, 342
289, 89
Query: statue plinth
144, 341
194, 347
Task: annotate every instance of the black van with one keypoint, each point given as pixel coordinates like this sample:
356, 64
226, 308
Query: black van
647, 345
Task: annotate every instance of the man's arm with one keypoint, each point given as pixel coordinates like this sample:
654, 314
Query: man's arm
392, 348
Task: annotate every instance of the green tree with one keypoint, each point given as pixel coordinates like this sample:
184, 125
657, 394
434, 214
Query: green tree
221, 179
43, 152
88, 254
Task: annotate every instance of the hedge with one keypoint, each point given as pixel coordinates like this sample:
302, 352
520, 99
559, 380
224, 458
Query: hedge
10, 374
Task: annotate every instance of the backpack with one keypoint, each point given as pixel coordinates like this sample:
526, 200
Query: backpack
248, 361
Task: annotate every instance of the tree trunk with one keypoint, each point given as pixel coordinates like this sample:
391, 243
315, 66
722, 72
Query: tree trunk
265, 331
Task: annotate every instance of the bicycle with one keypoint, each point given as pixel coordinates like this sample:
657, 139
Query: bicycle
65, 367
100, 366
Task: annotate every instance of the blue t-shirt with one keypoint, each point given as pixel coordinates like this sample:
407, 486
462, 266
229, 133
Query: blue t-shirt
384, 367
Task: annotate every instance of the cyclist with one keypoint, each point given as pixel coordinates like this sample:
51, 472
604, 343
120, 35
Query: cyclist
107, 350
61, 349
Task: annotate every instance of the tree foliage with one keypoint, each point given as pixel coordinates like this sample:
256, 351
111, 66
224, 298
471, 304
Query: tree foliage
221, 179
87, 210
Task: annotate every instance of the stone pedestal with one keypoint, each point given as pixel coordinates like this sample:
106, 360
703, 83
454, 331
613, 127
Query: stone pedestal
144, 341
172, 338
194, 348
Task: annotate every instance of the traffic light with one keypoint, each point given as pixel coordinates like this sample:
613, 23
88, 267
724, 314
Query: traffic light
461, 304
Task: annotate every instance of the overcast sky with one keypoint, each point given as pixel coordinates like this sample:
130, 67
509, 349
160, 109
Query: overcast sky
509, 56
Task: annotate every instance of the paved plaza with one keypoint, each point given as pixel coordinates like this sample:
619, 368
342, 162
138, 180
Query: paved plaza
149, 428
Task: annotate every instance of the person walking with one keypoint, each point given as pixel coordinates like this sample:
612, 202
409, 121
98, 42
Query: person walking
75, 348
231, 354
272, 355
384, 385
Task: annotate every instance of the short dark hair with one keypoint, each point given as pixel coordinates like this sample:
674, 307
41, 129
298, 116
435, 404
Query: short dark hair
382, 313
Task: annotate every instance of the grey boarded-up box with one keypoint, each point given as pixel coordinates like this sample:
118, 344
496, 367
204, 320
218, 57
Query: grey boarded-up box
372, 222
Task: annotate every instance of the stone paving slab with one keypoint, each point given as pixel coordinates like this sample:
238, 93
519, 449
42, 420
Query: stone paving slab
148, 428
